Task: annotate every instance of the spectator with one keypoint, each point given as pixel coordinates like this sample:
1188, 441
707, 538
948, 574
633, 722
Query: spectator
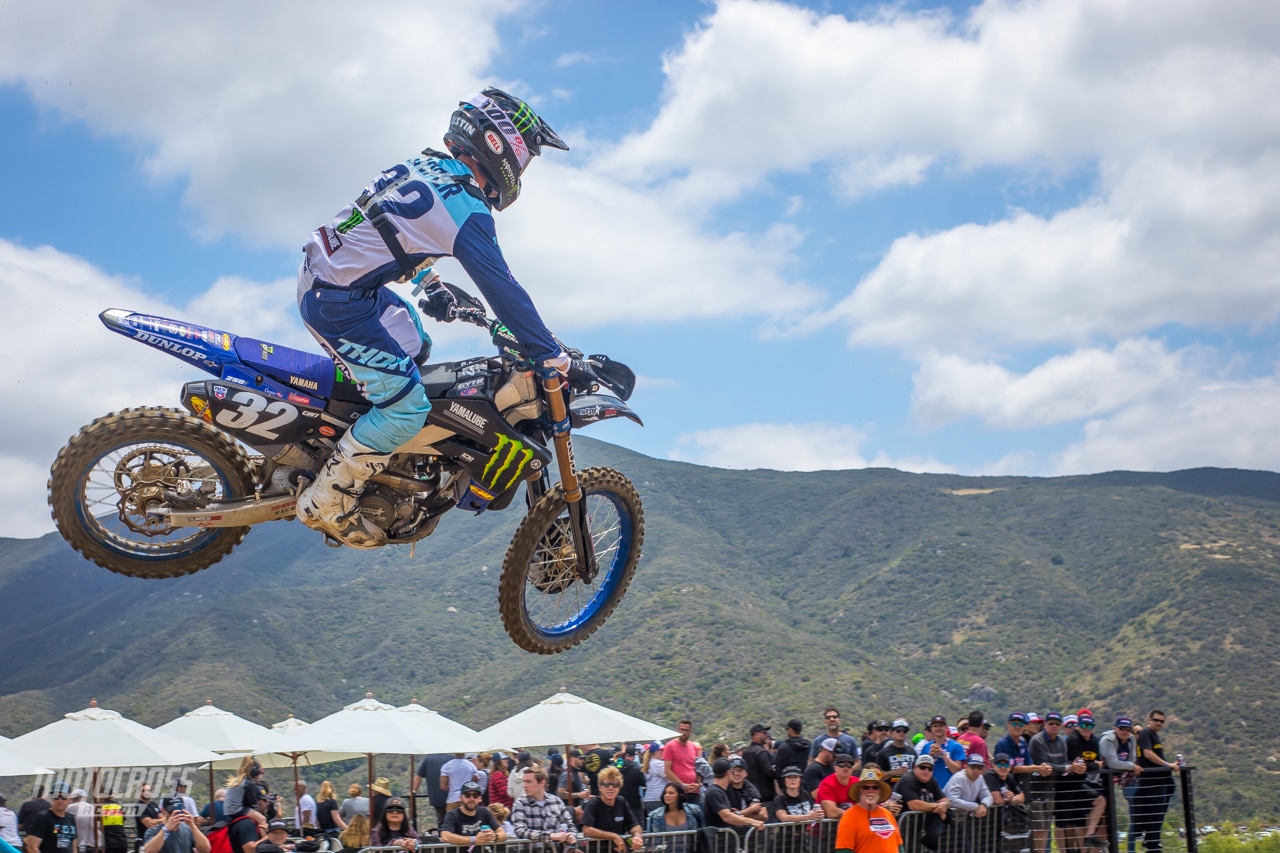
471, 823
1069, 724
1013, 745
379, 796
822, 766
243, 829
1155, 785
328, 815
794, 804
868, 827
679, 757
848, 744
974, 738
306, 812
356, 835
719, 809
1047, 748
214, 812
429, 772
836, 792
1085, 791
177, 833
539, 816
146, 815
555, 772
1002, 782
515, 782
633, 782
896, 756
744, 797
8, 823
461, 768
878, 732
52, 830
1035, 724
502, 815
82, 813
575, 787
32, 807
242, 789
654, 777
967, 790
355, 803
594, 759
1119, 748
759, 760
277, 840
948, 755
114, 839
792, 752
393, 827
675, 815
498, 780
920, 793
608, 817
189, 803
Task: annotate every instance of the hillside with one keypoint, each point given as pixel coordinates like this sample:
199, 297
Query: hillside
761, 595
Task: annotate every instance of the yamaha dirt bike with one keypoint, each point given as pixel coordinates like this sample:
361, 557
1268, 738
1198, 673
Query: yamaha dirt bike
158, 493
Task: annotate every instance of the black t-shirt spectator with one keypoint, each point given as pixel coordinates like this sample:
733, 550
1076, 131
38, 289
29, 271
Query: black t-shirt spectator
911, 788
892, 757
56, 834
714, 801
799, 805
1150, 740
615, 818
633, 784
593, 761
242, 830
325, 810
461, 824
741, 798
759, 767
30, 809
149, 810
1009, 783
814, 774
429, 770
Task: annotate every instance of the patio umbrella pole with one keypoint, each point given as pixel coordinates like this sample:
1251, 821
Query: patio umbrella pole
413, 800
99, 832
370, 757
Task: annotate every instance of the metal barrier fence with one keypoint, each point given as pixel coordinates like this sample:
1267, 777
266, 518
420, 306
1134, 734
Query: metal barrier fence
1112, 818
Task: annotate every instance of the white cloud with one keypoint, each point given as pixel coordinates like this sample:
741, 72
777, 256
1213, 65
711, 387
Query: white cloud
1085, 383
788, 447
1229, 425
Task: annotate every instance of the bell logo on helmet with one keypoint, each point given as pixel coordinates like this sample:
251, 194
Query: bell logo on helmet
494, 141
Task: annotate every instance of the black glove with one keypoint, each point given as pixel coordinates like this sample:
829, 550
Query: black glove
439, 303
582, 379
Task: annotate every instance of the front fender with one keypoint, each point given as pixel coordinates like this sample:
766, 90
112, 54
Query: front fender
587, 410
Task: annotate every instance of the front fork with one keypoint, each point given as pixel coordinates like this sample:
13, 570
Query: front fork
554, 386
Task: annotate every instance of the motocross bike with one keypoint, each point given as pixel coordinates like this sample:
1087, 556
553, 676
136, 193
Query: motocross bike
159, 493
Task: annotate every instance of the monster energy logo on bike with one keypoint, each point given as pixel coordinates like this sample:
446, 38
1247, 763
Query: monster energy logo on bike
508, 451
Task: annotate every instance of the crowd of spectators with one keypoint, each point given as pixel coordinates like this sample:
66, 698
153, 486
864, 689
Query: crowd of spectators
1051, 768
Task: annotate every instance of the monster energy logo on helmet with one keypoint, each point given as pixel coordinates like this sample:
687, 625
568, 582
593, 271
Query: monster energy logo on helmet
524, 118
507, 452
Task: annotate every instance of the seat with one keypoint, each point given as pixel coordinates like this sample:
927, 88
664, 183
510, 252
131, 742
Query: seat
308, 372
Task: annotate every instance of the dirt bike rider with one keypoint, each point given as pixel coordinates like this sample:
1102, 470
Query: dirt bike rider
428, 207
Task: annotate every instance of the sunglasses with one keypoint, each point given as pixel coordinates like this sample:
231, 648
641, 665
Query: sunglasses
928, 768
875, 788
831, 717
900, 729
1016, 725
1002, 764
471, 794
1053, 722
393, 810
61, 797
882, 728
613, 784
1125, 729
1086, 725
1156, 719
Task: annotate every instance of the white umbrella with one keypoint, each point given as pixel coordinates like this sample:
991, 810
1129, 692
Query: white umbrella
96, 737
568, 719
371, 727
217, 730
16, 765
288, 743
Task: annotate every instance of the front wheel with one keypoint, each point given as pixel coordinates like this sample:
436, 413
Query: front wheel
109, 482
546, 607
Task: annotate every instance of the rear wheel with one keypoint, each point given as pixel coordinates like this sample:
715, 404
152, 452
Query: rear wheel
546, 607
109, 481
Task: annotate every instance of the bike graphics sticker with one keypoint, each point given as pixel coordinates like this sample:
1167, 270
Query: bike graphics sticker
507, 463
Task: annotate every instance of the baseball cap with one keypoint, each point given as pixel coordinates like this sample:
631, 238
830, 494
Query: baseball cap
1002, 756
78, 792
736, 763
172, 804
1124, 723
1069, 719
938, 718
397, 804
922, 760
952, 731
831, 744
655, 747
630, 750
523, 755
759, 727
977, 759
844, 758
273, 825
60, 788
575, 753
1033, 717
900, 723
470, 755
1053, 717
791, 771
720, 768
881, 726
1016, 717
470, 788
795, 724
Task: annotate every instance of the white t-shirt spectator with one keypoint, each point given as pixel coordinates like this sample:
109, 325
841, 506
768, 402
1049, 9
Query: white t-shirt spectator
9, 827
307, 807
460, 771
82, 813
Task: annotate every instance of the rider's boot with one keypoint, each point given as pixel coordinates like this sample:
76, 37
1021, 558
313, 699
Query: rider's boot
331, 503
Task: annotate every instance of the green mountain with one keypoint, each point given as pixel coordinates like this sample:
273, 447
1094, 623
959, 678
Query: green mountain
761, 595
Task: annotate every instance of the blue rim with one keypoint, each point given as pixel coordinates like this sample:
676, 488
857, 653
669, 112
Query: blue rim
90, 524
606, 582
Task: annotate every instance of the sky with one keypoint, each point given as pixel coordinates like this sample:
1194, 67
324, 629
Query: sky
1035, 238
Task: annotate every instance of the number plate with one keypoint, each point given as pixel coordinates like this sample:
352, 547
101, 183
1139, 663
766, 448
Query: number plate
255, 418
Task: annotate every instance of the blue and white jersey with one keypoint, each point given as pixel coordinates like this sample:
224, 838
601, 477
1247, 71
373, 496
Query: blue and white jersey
434, 216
